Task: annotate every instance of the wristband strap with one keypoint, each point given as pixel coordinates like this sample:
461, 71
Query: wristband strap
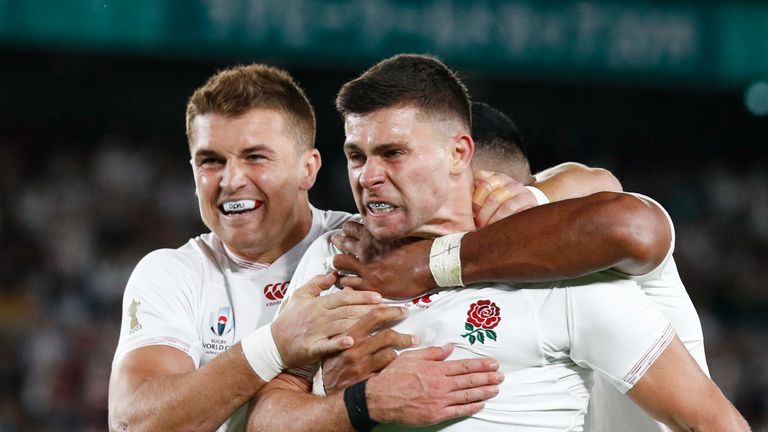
357, 407
541, 197
445, 260
261, 352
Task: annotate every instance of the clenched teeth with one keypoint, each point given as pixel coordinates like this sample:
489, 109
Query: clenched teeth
380, 207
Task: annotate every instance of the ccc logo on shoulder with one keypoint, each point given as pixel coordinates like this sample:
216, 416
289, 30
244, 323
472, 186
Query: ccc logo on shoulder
276, 291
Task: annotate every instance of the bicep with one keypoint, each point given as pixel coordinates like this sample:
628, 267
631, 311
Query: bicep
142, 364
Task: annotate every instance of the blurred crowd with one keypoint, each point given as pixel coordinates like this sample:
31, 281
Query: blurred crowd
74, 220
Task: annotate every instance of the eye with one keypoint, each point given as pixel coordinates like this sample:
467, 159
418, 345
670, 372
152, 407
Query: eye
255, 157
209, 162
393, 153
355, 158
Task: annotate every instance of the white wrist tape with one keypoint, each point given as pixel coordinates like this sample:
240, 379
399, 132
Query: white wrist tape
261, 352
445, 260
541, 197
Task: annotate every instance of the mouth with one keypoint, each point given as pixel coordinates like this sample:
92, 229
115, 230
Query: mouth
239, 207
380, 207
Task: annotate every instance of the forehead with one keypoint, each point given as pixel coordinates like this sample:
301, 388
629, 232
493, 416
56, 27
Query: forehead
386, 125
258, 126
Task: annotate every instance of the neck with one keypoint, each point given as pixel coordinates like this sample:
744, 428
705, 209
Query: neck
453, 216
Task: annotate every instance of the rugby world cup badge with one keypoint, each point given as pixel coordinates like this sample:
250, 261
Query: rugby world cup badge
221, 322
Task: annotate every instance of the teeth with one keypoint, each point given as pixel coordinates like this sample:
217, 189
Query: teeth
239, 206
380, 207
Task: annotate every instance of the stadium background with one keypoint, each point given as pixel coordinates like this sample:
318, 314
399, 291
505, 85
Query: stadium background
672, 97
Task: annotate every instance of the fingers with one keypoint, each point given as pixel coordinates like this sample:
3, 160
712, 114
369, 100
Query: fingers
390, 339
353, 229
347, 264
466, 366
467, 410
485, 183
376, 320
324, 347
477, 394
354, 282
316, 285
476, 380
515, 205
431, 353
508, 199
355, 312
349, 297
346, 244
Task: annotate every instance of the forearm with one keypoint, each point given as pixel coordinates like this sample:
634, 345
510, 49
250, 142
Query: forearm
573, 180
198, 400
566, 239
291, 409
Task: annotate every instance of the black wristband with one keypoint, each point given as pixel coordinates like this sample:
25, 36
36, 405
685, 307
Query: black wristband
357, 407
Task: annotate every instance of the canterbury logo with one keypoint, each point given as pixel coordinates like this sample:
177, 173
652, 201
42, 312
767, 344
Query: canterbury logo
276, 291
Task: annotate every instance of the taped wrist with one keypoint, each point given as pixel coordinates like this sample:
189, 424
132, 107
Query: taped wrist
262, 354
357, 407
541, 197
445, 260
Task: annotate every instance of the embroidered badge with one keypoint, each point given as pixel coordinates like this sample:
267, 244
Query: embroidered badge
481, 318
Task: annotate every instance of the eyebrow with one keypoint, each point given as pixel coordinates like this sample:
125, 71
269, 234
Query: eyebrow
379, 148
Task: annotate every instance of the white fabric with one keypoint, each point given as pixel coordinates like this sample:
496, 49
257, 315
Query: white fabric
541, 197
611, 411
199, 301
261, 351
548, 342
445, 260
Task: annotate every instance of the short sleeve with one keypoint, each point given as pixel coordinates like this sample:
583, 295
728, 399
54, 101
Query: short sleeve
616, 330
158, 305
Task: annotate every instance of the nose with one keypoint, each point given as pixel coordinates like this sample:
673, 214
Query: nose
233, 176
372, 173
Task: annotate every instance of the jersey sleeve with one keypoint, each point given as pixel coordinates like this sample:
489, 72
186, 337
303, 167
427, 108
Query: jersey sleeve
311, 265
158, 305
616, 330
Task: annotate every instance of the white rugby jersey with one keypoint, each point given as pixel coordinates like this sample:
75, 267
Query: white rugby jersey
547, 339
201, 299
611, 411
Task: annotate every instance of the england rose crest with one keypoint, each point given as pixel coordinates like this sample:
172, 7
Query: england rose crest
481, 318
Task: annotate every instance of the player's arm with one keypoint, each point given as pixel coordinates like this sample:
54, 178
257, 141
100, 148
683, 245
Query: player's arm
574, 180
418, 388
676, 392
544, 243
497, 195
159, 388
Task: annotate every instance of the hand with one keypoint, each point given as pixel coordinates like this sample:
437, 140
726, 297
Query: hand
374, 348
401, 274
419, 388
355, 239
310, 327
497, 196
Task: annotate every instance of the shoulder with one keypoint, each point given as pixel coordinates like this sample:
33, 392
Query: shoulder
331, 219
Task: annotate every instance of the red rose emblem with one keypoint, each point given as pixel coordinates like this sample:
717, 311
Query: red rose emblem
484, 314
481, 318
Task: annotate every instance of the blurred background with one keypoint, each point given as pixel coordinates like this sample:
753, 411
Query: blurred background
670, 96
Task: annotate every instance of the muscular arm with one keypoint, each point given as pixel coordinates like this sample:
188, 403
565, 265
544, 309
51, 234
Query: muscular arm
573, 180
619, 231
676, 392
418, 388
159, 388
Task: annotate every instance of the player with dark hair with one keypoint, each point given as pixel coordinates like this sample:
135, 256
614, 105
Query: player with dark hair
409, 166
